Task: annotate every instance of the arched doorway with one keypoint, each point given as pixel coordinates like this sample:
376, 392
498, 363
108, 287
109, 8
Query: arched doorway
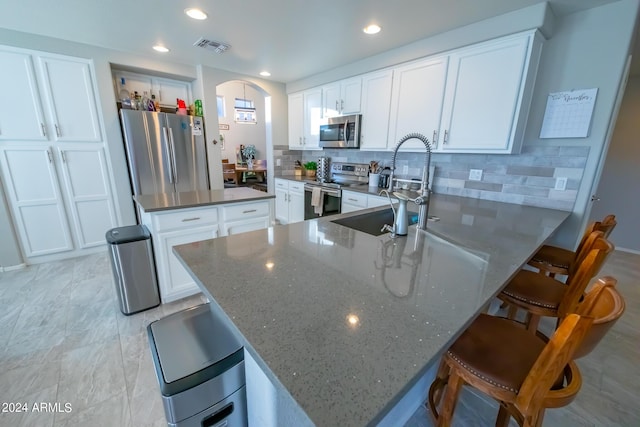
244, 118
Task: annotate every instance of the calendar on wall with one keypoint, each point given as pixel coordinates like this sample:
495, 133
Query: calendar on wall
568, 114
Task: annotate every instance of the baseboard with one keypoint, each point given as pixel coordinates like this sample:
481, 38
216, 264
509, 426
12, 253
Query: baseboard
13, 267
631, 251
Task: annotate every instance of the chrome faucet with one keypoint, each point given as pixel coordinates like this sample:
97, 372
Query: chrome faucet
423, 199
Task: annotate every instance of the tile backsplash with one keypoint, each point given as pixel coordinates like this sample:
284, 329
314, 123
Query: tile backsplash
528, 178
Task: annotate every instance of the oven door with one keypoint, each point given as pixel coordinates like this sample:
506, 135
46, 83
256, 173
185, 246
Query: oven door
331, 201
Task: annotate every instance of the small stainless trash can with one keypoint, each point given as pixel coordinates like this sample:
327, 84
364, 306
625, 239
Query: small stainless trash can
199, 365
134, 270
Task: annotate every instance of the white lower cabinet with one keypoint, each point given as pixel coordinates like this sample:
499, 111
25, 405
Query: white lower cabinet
375, 201
289, 201
178, 227
174, 281
353, 201
244, 217
35, 197
60, 197
90, 201
188, 225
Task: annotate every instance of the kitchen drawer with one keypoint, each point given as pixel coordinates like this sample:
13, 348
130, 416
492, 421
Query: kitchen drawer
245, 210
296, 186
356, 199
282, 183
185, 218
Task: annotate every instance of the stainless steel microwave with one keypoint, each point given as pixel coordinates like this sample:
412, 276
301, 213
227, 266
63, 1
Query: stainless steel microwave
341, 132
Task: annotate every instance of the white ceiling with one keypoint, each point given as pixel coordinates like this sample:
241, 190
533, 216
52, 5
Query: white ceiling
291, 38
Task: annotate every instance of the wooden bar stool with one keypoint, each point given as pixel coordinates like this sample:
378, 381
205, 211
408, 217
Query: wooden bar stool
554, 260
526, 373
542, 295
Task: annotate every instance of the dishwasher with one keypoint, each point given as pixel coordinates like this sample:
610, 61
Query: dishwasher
199, 365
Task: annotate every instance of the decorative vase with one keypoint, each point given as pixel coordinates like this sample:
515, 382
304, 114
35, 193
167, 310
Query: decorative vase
310, 172
249, 163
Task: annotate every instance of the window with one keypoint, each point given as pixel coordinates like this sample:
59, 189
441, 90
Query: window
245, 111
221, 110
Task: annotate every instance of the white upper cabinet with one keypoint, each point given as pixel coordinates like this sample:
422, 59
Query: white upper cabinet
305, 116
68, 86
342, 97
488, 95
416, 103
470, 100
296, 119
312, 118
376, 106
19, 94
47, 98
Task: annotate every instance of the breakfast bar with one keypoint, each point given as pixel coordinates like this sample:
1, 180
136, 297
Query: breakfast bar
341, 327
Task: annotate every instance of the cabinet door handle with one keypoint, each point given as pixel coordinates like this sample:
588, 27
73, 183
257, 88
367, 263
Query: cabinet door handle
300, 140
44, 132
446, 137
64, 159
249, 211
341, 105
49, 156
336, 105
195, 218
352, 200
57, 130
435, 137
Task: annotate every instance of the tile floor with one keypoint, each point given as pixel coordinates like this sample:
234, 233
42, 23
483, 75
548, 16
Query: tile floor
63, 340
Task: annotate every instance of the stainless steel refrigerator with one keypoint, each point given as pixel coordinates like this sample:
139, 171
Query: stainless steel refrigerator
166, 152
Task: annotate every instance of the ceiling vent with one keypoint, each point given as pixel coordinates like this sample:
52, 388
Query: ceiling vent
217, 47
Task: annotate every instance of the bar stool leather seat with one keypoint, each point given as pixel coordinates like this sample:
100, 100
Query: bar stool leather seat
502, 358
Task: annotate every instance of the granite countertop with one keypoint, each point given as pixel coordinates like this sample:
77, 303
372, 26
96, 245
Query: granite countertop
193, 199
346, 322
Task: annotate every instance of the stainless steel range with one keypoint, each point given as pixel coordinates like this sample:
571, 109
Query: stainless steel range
324, 198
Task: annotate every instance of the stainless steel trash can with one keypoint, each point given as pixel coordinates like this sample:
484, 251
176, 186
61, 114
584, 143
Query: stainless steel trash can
134, 270
199, 365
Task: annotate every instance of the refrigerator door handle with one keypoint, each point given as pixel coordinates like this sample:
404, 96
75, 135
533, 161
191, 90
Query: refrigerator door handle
173, 157
169, 154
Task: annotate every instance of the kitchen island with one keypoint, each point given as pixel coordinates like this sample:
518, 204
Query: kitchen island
343, 325
191, 216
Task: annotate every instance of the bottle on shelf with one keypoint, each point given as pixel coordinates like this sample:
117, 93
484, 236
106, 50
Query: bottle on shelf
156, 104
123, 95
182, 107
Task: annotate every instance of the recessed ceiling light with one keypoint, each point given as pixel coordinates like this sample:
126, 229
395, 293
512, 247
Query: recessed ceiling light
160, 48
372, 29
265, 73
195, 14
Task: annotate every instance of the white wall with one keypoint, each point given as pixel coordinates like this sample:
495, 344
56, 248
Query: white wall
588, 49
618, 187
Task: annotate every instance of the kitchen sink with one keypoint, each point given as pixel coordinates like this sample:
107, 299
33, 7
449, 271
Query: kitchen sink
372, 222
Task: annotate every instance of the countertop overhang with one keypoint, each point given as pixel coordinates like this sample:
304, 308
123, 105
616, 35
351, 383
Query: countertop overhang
346, 322
193, 199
